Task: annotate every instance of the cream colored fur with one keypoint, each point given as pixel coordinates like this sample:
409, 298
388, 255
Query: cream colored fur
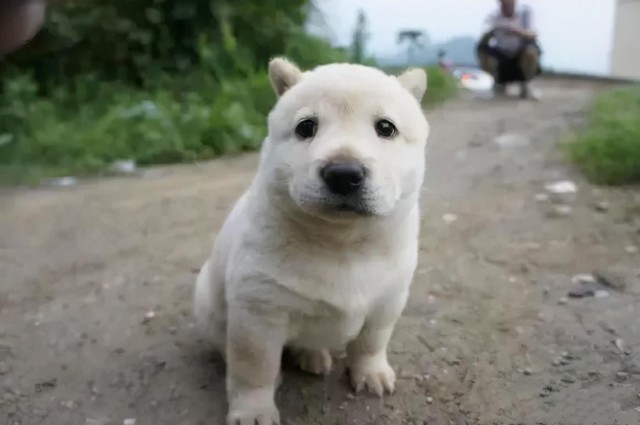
287, 269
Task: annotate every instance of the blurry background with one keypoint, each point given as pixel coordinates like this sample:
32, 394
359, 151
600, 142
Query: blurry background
159, 81
576, 35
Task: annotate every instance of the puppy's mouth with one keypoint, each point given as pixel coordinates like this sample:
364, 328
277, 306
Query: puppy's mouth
357, 208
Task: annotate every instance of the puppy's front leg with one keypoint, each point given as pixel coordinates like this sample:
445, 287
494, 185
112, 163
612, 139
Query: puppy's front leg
367, 354
255, 339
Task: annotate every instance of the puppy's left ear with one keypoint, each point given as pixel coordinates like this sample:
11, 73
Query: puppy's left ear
283, 75
415, 82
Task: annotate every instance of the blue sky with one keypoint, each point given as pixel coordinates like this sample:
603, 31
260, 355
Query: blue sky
575, 34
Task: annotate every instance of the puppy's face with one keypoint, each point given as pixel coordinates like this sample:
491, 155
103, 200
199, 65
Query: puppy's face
346, 140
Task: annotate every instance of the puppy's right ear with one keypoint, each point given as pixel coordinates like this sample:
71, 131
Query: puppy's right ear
283, 75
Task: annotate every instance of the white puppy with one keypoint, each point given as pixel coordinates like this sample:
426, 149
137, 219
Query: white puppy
319, 253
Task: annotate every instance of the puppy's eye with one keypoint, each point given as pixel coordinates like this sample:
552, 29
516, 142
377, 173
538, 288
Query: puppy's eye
306, 129
386, 129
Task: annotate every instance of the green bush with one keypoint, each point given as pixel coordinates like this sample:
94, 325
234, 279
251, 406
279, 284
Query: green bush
156, 81
68, 134
607, 150
441, 86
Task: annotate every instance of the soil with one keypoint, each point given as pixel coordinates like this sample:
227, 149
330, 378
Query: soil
96, 283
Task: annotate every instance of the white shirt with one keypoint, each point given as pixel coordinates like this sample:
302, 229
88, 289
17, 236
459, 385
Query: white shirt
503, 40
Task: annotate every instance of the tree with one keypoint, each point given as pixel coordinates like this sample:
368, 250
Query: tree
360, 38
415, 39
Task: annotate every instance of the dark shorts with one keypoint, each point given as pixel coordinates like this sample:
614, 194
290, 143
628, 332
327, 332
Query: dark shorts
509, 69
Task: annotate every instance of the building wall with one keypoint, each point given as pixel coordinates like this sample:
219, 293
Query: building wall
625, 61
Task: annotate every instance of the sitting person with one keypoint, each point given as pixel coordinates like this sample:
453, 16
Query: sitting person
508, 50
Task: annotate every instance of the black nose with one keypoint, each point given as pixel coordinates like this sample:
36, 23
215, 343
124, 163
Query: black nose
343, 178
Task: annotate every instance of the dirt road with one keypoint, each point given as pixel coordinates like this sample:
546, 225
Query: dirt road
96, 280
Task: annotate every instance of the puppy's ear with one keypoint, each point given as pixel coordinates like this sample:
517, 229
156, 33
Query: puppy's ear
283, 75
415, 81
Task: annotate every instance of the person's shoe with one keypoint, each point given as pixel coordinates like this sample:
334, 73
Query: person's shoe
526, 92
499, 90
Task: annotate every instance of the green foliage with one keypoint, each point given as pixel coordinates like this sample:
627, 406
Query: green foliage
129, 40
608, 149
157, 81
63, 134
440, 86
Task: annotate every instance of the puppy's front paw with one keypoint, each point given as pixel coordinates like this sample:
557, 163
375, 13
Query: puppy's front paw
253, 408
253, 415
316, 362
372, 372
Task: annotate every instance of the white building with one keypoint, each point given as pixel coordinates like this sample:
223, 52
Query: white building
625, 60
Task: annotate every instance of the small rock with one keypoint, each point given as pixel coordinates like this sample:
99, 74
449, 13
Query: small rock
622, 375
4, 368
618, 278
511, 140
68, 404
46, 385
631, 249
601, 206
449, 218
559, 211
568, 380
565, 355
557, 361
127, 166
563, 300
637, 409
562, 191
429, 400
561, 187
129, 421
63, 181
527, 372
601, 294
583, 278
582, 291
148, 316
541, 197
350, 396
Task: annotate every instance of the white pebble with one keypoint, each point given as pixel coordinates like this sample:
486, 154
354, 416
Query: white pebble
429, 400
631, 249
541, 197
562, 187
601, 294
150, 314
583, 278
130, 421
450, 218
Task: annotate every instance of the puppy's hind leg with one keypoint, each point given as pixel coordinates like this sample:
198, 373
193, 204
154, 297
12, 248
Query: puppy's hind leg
315, 362
210, 307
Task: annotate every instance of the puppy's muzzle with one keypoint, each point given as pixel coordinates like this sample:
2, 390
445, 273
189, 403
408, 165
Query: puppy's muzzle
344, 178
